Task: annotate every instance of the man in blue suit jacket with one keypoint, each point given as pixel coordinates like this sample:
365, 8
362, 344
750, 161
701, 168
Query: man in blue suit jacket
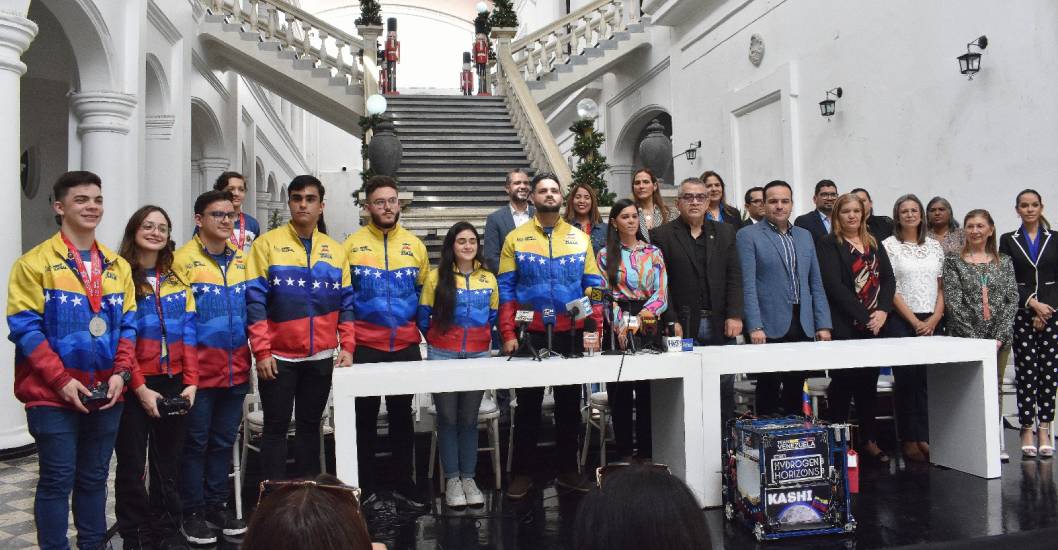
502, 221
784, 300
817, 222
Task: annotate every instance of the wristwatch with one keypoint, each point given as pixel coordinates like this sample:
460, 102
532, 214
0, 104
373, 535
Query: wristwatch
126, 376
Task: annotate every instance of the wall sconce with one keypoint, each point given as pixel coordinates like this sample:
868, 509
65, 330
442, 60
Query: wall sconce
826, 107
692, 151
970, 62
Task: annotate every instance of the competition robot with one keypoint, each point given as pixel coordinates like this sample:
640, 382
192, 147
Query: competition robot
466, 76
392, 55
481, 56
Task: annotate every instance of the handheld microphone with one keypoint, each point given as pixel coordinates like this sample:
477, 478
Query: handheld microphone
591, 336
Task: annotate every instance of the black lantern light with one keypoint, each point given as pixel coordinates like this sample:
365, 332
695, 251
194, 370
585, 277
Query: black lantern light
970, 62
692, 151
826, 107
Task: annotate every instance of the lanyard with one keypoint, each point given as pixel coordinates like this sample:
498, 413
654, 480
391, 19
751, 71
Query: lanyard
158, 279
239, 241
93, 282
986, 308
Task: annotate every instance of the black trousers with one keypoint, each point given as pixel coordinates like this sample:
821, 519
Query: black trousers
306, 383
624, 398
149, 515
909, 385
527, 417
401, 426
780, 392
860, 385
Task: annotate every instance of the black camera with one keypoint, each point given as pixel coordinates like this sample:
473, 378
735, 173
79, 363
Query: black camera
98, 396
173, 406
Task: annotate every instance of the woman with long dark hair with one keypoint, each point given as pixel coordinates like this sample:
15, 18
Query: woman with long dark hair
582, 212
457, 307
1035, 260
165, 350
647, 196
918, 264
859, 283
982, 294
716, 207
635, 271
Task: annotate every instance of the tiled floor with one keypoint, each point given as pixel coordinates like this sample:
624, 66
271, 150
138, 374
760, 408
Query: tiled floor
18, 482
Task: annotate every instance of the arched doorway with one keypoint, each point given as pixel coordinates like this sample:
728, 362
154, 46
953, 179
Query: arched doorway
624, 158
208, 160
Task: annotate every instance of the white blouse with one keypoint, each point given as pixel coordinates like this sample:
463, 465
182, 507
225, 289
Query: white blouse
917, 268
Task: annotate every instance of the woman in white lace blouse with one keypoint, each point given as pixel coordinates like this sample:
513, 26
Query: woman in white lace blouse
918, 262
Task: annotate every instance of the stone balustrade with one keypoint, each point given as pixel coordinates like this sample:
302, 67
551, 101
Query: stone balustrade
539, 52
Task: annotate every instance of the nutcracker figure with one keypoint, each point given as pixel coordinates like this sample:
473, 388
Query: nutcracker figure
392, 55
466, 77
383, 74
481, 56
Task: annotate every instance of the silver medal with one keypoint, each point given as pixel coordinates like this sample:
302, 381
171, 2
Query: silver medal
97, 326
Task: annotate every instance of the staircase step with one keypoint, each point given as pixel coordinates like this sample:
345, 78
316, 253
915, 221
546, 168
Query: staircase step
433, 144
454, 170
608, 44
536, 85
431, 98
450, 123
270, 46
468, 198
250, 36
593, 52
416, 131
635, 27
448, 191
487, 140
321, 72
305, 63
429, 114
232, 27
411, 166
621, 35
215, 18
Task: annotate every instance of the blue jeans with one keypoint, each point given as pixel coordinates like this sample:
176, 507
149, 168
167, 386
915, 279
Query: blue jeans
457, 422
73, 450
212, 425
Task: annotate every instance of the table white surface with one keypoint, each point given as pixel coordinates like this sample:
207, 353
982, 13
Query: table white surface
675, 396
961, 378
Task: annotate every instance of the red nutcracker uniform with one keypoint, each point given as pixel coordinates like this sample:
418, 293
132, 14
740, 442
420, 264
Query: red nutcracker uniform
392, 56
466, 77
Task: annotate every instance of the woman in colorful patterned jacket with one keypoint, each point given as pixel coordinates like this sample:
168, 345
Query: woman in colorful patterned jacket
640, 288
456, 309
165, 351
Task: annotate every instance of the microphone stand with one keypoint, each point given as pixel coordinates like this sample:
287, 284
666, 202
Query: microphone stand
525, 344
573, 334
608, 313
549, 352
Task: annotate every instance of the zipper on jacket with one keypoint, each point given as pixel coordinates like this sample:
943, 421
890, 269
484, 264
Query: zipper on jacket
466, 302
308, 263
389, 304
550, 268
227, 307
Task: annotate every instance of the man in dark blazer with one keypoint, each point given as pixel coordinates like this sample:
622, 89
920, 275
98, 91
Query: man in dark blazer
817, 222
783, 293
705, 278
881, 227
506, 218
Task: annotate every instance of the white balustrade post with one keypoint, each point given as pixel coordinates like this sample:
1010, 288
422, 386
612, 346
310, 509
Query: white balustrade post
305, 43
16, 32
369, 57
109, 152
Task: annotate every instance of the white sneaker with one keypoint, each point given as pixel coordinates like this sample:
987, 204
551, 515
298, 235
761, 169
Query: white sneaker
454, 496
473, 494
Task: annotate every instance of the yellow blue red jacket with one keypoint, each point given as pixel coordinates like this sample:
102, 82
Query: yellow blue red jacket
181, 330
299, 300
541, 271
48, 315
388, 271
220, 313
477, 299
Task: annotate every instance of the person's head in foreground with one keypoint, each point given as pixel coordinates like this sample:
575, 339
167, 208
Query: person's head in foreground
640, 506
323, 514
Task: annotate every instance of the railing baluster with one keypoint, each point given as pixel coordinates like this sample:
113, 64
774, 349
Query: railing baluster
305, 44
253, 15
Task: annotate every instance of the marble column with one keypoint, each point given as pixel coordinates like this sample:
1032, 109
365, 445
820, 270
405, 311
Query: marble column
16, 32
108, 150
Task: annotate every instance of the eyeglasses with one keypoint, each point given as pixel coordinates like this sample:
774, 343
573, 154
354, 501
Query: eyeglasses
756, 201
221, 216
602, 471
828, 195
693, 197
268, 487
382, 203
151, 226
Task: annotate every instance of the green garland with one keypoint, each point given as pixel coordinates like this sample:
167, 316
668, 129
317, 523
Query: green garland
503, 14
370, 13
591, 166
367, 123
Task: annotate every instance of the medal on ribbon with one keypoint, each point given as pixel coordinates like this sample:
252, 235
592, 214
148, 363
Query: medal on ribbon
93, 284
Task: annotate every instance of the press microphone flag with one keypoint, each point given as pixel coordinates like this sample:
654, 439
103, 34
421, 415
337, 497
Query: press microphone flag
548, 316
523, 316
579, 308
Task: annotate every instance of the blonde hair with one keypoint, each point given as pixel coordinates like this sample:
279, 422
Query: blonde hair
835, 225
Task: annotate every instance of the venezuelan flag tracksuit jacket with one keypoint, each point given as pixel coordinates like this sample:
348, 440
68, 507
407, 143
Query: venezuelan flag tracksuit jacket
48, 315
388, 271
220, 311
540, 270
299, 300
181, 331
477, 299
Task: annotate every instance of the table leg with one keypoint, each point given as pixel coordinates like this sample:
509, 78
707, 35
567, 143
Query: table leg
963, 408
348, 469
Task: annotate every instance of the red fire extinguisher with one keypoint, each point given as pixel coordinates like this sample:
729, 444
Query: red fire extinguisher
853, 463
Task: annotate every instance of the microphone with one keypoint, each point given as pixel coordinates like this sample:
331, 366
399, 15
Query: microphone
548, 317
599, 294
579, 308
591, 336
633, 327
523, 317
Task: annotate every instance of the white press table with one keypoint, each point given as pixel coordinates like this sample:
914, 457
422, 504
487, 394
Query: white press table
961, 376
676, 397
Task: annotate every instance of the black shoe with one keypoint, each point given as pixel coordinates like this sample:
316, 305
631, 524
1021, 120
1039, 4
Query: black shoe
197, 531
408, 504
574, 481
225, 520
172, 543
138, 540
